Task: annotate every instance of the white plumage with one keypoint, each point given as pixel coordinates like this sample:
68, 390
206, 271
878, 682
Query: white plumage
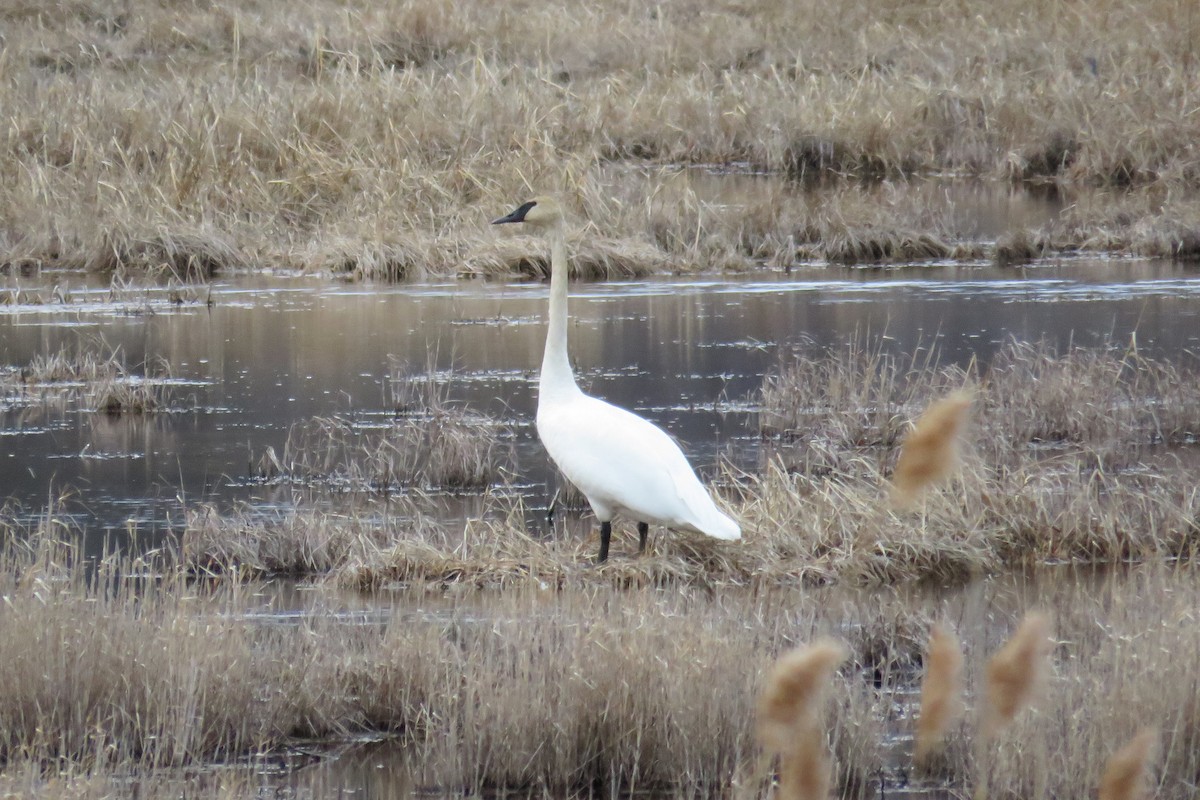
623, 464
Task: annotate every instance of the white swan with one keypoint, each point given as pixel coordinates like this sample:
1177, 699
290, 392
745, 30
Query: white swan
622, 463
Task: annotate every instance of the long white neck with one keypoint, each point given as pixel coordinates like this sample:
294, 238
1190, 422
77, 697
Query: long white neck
556, 379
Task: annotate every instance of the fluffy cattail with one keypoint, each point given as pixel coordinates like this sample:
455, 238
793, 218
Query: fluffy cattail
790, 703
1125, 773
941, 691
1015, 671
930, 450
806, 772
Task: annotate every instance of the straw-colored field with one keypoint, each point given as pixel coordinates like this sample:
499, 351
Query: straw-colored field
503, 659
378, 140
593, 689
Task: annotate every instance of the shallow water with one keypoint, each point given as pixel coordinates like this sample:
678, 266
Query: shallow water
688, 353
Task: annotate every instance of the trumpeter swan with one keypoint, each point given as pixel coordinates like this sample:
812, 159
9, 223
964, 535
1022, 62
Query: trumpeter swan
622, 463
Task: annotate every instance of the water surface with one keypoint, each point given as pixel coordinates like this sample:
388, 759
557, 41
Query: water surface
689, 353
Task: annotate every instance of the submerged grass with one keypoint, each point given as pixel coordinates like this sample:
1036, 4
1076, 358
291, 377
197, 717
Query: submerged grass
99, 377
428, 443
379, 141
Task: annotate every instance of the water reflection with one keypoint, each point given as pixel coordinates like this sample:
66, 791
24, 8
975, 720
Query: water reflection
688, 353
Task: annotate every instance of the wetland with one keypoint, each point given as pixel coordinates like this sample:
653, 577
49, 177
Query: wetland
275, 519
790, 392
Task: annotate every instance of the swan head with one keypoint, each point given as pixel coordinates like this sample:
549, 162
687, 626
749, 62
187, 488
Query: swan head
540, 212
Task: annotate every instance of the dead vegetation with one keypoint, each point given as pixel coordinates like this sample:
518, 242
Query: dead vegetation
1108, 404
447, 448
250, 545
378, 142
427, 443
97, 376
602, 690
1083, 456
591, 259
180, 673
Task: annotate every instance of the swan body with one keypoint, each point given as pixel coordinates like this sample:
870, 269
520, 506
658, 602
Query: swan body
623, 464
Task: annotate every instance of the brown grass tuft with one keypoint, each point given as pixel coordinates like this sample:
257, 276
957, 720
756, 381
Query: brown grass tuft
1126, 771
429, 443
941, 691
1014, 673
96, 376
930, 451
146, 137
791, 699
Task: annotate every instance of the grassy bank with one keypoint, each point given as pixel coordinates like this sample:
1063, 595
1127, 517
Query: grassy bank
113, 678
378, 142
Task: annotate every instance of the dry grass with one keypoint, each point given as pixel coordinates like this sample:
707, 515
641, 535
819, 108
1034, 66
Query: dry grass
591, 259
250, 545
802, 529
1044, 478
450, 448
1112, 403
179, 673
1064, 460
556, 692
1094, 699
95, 375
430, 443
379, 141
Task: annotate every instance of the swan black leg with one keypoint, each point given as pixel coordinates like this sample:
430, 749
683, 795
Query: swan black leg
605, 538
643, 529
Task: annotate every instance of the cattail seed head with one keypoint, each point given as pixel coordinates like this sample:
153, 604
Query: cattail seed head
929, 452
1014, 673
806, 772
791, 700
941, 691
1125, 773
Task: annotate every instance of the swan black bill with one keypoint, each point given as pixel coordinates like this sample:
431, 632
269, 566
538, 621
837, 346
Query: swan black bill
518, 215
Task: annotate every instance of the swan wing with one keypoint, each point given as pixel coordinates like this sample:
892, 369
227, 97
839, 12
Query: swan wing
626, 464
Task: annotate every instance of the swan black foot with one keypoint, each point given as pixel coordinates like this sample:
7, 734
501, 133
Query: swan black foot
605, 538
643, 530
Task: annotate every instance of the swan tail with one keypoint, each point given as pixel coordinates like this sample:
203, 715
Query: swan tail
720, 526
